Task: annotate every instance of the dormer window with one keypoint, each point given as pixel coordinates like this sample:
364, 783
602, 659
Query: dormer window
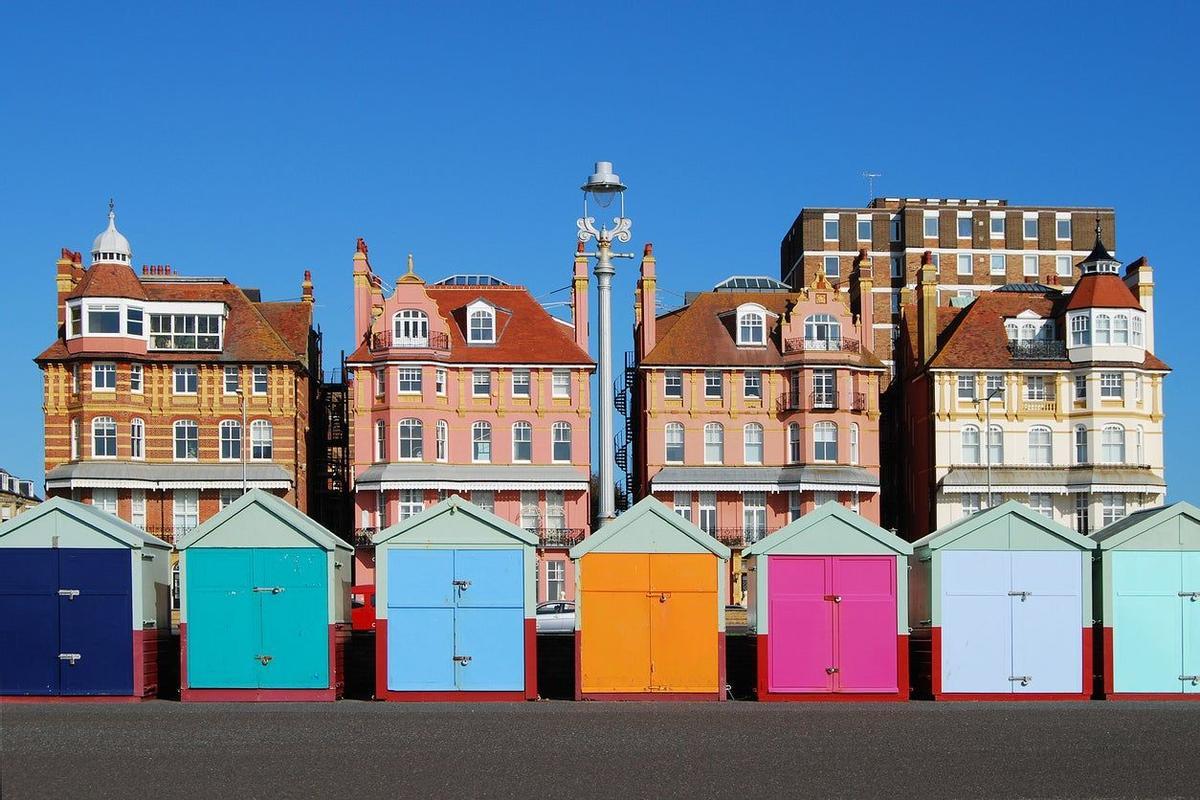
752, 326
410, 328
822, 332
185, 332
1081, 333
103, 318
481, 324
74, 320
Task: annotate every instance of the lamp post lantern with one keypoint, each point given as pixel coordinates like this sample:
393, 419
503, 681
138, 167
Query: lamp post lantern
604, 186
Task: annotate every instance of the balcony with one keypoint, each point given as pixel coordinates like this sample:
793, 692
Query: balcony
822, 401
168, 533
558, 537
739, 537
820, 346
380, 342
1042, 405
1027, 350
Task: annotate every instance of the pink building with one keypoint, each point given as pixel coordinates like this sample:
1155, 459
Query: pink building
468, 386
755, 404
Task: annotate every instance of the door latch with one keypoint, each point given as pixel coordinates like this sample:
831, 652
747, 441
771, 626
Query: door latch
1024, 679
831, 670
70, 594
72, 657
1022, 595
464, 660
271, 589
834, 598
1193, 596
461, 585
264, 659
1195, 679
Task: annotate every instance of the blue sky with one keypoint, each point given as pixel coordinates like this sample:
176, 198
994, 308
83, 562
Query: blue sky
257, 141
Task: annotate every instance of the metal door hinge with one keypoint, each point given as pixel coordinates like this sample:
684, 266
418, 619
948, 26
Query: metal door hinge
1024, 679
1195, 679
271, 589
70, 594
462, 585
1022, 595
464, 660
72, 657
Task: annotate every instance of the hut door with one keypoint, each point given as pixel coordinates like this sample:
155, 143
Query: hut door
615, 623
420, 624
223, 634
290, 586
95, 627
800, 625
1191, 623
683, 623
864, 592
1148, 621
1047, 622
976, 625
489, 614
28, 621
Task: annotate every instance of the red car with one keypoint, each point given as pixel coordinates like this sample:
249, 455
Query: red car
362, 607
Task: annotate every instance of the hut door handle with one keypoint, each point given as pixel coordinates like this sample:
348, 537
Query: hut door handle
662, 596
1024, 679
72, 657
1193, 596
1021, 595
462, 585
264, 659
1195, 679
836, 598
831, 670
271, 589
70, 594
464, 660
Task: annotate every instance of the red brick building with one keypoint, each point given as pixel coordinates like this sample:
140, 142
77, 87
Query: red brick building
144, 388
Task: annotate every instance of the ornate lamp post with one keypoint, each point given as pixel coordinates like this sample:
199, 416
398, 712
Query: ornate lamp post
604, 186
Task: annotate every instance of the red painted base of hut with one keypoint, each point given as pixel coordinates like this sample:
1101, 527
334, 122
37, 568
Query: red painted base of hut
339, 634
764, 695
384, 693
145, 677
938, 694
719, 695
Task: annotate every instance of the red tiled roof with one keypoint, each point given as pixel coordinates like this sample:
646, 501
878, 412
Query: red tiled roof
702, 333
529, 335
1103, 290
292, 321
109, 280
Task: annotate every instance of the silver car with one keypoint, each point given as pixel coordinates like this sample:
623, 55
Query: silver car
557, 616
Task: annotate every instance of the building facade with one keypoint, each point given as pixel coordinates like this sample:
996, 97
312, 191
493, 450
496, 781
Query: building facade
469, 386
161, 391
754, 404
1050, 397
16, 495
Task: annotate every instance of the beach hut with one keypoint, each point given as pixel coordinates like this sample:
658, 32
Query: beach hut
1148, 584
265, 605
1001, 608
455, 599
650, 614
84, 600
828, 606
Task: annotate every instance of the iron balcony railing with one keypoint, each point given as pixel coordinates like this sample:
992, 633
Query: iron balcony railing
362, 536
384, 340
739, 537
822, 401
1037, 351
821, 346
168, 533
558, 537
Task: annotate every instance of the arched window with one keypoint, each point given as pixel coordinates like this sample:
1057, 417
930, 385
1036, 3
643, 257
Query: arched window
795, 451
1040, 450
410, 328
1138, 339
1141, 445
996, 445
522, 441
1027, 332
714, 443
104, 437
970, 444
822, 332
1103, 329
75, 440
853, 443
752, 443
380, 441
1120, 334
1010, 328
137, 438
231, 440
441, 432
752, 326
561, 442
262, 440
187, 440
411, 435
825, 441
482, 326
673, 442
1081, 444
1112, 444
1081, 334
481, 442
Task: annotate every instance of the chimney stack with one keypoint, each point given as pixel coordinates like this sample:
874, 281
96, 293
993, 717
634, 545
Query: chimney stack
306, 288
927, 308
864, 269
579, 298
65, 279
645, 305
1139, 277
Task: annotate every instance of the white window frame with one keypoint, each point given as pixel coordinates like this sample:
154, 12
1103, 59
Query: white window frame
560, 384
752, 384
714, 443
1059, 219
681, 504
109, 433
927, 217
963, 217
229, 438
1112, 386
481, 378
998, 264
410, 328
107, 383
1113, 507
859, 222
439, 382
964, 259
260, 380
672, 378
996, 231
754, 516
1062, 266
971, 446
853, 443
485, 331
753, 448
137, 508
441, 435
522, 434
176, 440
669, 432
795, 443
410, 439
231, 380
521, 378
137, 439
1042, 503
1029, 261
380, 441
825, 435
184, 375
832, 266
411, 503
380, 381
995, 445
1080, 444
1025, 220
706, 512
752, 326
831, 220
481, 442
714, 379
1037, 447
1112, 444
408, 380
185, 510
262, 440
561, 443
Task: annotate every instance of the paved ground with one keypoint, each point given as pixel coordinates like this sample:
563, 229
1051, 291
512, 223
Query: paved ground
354, 750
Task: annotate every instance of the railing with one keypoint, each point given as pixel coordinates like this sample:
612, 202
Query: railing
558, 537
168, 533
1040, 404
1037, 351
821, 346
738, 537
385, 340
822, 401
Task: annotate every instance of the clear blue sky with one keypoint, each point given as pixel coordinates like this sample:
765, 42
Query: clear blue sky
257, 141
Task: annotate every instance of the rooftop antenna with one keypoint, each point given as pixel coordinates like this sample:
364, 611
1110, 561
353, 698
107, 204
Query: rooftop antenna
871, 176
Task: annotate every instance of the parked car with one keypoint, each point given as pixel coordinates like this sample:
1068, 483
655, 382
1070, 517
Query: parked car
362, 607
557, 616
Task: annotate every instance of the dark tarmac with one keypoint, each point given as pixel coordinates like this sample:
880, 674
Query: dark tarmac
551, 750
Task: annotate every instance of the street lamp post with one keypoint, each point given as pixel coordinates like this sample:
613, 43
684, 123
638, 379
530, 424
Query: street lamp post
245, 435
987, 435
604, 185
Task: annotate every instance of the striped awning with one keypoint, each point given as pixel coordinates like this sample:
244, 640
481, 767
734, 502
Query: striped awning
468, 477
1083, 479
159, 476
807, 477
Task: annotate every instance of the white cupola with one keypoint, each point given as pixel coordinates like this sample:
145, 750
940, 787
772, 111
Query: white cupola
111, 247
